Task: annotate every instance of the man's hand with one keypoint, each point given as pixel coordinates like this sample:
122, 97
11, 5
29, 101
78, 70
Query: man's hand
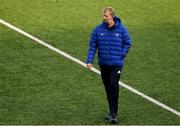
89, 66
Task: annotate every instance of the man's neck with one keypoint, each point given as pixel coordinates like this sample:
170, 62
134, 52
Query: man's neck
110, 24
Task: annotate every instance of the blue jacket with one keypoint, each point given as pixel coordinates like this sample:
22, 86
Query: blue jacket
112, 44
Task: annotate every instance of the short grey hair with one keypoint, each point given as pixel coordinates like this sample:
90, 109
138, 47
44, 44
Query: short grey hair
110, 9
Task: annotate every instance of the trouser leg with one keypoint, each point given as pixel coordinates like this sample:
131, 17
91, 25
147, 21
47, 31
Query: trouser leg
114, 86
105, 75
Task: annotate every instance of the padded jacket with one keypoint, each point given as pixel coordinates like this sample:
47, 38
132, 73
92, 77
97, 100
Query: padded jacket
112, 44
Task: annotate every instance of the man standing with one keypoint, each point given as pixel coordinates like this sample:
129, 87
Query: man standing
112, 41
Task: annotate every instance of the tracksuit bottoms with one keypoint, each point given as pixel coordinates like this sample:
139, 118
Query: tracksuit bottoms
110, 76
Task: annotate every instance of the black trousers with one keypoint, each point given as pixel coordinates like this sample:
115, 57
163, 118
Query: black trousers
110, 76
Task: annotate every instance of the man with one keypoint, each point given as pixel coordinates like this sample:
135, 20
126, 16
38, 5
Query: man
112, 41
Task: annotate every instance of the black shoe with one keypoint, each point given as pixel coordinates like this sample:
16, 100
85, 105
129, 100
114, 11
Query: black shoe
113, 119
108, 117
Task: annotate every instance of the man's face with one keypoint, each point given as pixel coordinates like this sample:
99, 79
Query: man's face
107, 17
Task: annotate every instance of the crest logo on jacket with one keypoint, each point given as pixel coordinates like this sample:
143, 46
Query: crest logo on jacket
117, 34
102, 34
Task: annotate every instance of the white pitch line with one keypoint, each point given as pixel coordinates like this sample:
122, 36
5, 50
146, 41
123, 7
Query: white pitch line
84, 65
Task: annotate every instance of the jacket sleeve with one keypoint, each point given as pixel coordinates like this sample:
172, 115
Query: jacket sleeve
92, 47
126, 41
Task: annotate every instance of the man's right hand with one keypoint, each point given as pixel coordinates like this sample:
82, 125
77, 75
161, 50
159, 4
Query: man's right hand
89, 66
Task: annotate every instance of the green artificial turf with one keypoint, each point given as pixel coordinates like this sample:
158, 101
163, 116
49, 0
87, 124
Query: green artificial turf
37, 86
